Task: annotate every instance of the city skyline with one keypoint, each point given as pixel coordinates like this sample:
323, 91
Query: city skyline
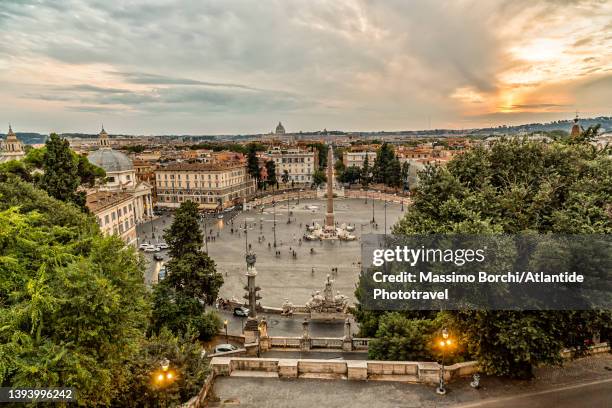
211, 68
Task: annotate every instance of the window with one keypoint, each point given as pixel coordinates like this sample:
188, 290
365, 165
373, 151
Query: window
106, 220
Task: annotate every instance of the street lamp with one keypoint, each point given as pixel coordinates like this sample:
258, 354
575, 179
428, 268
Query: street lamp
445, 343
385, 217
373, 219
274, 227
225, 327
164, 377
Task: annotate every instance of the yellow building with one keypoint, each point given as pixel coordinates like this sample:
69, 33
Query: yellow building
210, 185
115, 212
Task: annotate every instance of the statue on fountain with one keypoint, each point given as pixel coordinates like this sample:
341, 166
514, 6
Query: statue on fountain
326, 306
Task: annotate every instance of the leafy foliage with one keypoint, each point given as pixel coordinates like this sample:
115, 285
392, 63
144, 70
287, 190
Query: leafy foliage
516, 186
61, 175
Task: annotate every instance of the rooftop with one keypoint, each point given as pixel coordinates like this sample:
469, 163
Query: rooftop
101, 200
219, 166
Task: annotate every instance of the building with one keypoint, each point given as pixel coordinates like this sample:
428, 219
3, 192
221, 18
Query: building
210, 185
11, 148
280, 129
576, 128
115, 213
121, 177
356, 158
299, 163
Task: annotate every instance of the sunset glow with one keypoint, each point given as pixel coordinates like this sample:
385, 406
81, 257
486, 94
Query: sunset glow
153, 67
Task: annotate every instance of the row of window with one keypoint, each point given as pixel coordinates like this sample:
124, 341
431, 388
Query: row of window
202, 176
115, 214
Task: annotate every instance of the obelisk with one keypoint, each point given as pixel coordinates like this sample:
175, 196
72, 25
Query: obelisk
329, 216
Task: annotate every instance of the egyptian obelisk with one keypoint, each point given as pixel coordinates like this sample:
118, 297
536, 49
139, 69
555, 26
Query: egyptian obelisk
329, 216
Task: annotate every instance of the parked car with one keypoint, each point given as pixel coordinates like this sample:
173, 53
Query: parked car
220, 216
144, 245
152, 248
224, 348
162, 245
158, 257
241, 311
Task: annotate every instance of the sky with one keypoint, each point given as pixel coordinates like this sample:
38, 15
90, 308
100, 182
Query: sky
229, 67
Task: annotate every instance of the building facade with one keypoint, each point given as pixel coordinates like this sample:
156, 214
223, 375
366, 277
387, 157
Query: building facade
212, 186
299, 163
11, 148
115, 213
121, 177
357, 158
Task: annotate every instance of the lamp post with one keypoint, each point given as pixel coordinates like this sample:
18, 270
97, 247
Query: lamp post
288, 212
225, 327
373, 219
385, 217
444, 344
274, 226
164, 377
205, 234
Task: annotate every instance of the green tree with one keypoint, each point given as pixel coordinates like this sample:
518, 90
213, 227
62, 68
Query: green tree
321, 152
365, 172
184, 235
73, 306
271, 170
285, 177
61, 173
253, 162
386, 169
88, 172
185, 362
405, 173
516, 186
318, 177
192, 281
351, 175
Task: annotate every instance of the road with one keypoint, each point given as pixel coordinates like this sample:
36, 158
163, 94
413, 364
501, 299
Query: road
596, 394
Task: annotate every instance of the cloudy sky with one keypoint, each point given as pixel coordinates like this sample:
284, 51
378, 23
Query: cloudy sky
207, 67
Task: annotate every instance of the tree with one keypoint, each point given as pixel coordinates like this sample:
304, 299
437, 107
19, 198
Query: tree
185, 358
253, 162
61, 174
351, 175
184, 235
322, 153
365, 172
285, 177
192, 281
318, 177
516, 186
73, 306
405, 173
271, 170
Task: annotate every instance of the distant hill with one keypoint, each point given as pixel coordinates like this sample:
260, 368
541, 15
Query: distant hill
28, 138
604, 121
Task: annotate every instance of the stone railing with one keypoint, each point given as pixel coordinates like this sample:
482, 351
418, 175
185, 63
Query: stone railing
403, 371
326, 342
285, 342
361, 343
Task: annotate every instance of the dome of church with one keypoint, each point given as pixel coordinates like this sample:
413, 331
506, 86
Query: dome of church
110, 160
280, 129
